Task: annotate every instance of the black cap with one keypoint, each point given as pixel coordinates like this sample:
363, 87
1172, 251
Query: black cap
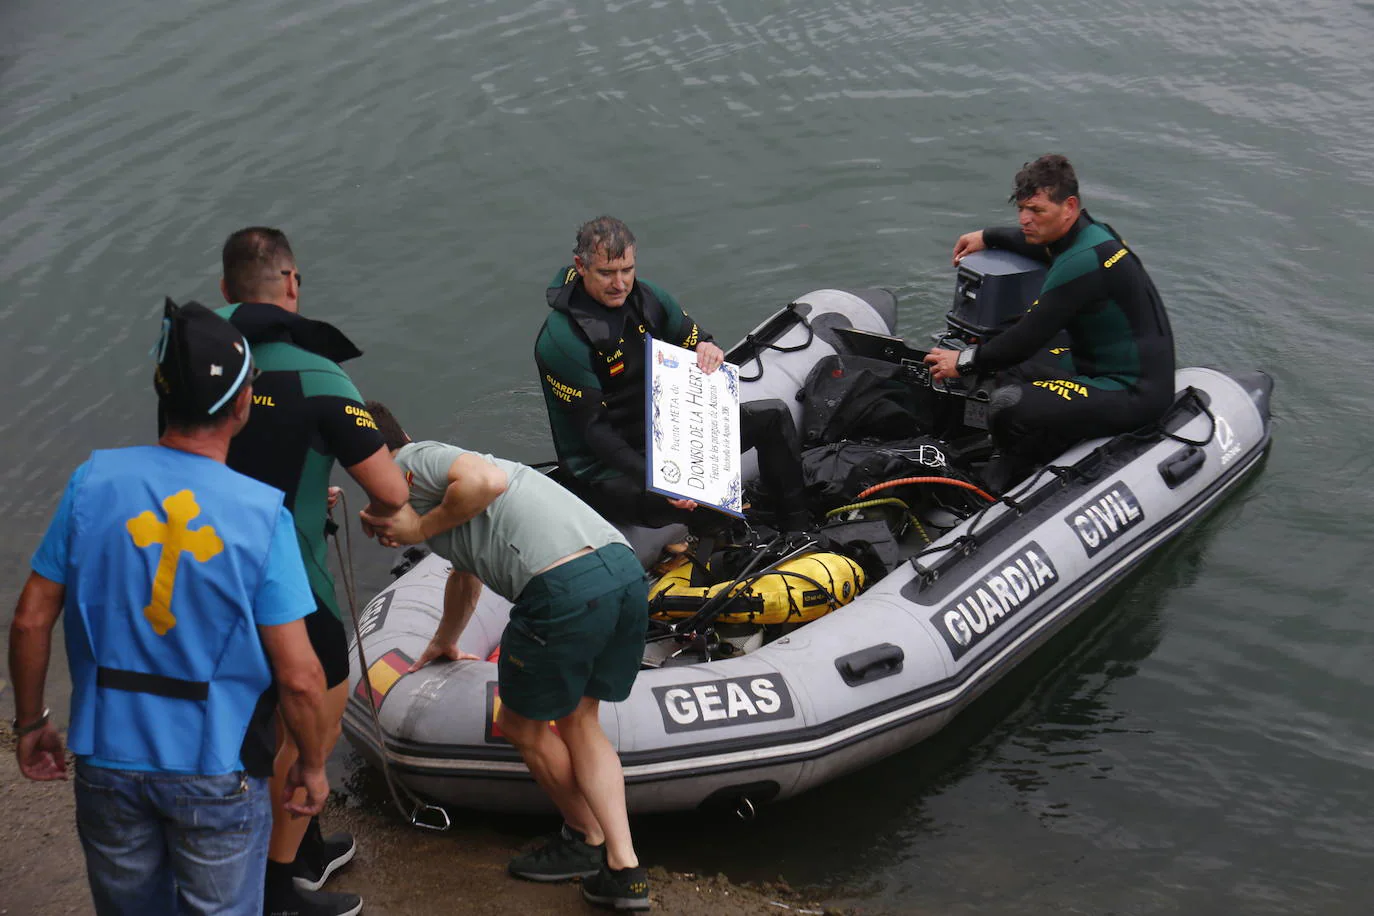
202, 360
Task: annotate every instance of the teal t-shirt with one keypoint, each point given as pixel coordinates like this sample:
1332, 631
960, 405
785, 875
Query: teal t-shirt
533, 524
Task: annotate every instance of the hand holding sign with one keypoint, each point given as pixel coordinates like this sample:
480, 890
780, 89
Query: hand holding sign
692, 402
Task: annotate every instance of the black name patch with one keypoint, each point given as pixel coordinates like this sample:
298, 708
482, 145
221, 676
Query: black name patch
373, 616
1105, 517
994, 600
732, 701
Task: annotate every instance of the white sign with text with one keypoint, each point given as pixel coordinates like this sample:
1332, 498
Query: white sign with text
692, 428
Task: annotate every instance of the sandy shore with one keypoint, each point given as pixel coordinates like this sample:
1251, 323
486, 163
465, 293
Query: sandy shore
399, 871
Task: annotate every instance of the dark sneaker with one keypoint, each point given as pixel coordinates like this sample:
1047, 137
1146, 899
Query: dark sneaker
290, 900
620, 889
320, 856
564, 857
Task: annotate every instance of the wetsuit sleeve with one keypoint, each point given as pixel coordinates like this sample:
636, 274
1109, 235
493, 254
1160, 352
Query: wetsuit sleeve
50, 560
284, 593
1010, 238
346, 430
1047, 316
578, 418
681, 329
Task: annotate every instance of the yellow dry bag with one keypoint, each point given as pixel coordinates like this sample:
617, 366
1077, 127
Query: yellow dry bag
801, 589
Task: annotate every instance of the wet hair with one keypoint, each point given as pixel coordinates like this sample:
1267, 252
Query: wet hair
1051, 173
603, 233
390, 427
252, 258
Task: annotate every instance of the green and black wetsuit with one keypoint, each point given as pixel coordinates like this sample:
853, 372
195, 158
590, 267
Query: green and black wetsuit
591, 369
306, 415
1121, 344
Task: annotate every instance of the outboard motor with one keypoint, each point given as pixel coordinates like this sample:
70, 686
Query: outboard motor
991, 290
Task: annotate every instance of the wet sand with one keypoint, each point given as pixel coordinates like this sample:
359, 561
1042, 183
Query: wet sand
399, 870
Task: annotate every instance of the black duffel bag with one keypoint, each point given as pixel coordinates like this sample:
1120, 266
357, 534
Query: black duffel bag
835, 473
856, 397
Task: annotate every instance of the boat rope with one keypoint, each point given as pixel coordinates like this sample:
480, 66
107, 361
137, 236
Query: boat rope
418, 807
1198, 400
758, 344
902, 481
1086, 469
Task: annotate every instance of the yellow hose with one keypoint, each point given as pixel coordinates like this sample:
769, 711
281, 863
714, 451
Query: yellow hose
886, 501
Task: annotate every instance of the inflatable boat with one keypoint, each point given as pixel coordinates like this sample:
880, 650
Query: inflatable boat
734, 708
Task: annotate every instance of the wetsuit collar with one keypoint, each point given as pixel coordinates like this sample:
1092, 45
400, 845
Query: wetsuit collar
262, 322
602, 326
1057, 248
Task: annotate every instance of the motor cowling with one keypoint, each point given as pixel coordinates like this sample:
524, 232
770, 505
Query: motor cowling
992, 288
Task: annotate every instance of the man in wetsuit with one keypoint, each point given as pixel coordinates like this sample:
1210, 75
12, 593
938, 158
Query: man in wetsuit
591, 358
306, 415
1121, 347
575, 638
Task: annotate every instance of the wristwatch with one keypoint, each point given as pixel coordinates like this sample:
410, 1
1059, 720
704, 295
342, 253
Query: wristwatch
965, 361
22, 730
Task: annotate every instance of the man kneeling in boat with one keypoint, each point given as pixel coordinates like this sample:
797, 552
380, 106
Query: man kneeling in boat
575, 638
1119, 374
591, 358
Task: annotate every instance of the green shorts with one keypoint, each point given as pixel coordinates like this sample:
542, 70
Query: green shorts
575, 631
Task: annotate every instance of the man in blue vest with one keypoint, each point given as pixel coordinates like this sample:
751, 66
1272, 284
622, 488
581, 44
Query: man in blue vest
184, 594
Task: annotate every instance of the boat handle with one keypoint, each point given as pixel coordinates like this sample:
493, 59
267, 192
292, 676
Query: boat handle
871, 664
1182, 465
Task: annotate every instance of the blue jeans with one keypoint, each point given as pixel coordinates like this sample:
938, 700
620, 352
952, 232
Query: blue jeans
172, 843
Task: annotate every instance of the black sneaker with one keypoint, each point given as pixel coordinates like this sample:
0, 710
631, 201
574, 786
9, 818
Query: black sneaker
620, 889
289, 900
320, 856
564, 857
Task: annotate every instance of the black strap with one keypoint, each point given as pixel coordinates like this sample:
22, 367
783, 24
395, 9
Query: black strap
158, 685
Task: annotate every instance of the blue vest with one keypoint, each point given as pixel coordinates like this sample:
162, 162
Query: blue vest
165, 555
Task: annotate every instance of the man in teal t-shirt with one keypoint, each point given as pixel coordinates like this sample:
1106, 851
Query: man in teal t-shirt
575, 638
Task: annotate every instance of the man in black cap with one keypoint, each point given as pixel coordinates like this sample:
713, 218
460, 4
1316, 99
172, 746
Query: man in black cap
184, 594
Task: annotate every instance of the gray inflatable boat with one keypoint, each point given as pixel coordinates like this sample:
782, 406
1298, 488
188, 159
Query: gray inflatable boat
737, 721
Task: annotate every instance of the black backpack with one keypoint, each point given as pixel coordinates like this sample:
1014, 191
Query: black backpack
856, 397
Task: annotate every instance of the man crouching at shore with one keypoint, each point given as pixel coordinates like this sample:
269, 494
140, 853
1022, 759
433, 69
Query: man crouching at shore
575, 638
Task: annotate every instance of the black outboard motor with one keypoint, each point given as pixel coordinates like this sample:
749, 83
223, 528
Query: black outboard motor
991, 290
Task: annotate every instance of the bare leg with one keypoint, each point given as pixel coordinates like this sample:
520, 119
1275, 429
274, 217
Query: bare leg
551, 766
288, 829
596, 767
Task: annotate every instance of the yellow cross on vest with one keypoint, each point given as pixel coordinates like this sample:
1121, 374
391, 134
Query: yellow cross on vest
174, 537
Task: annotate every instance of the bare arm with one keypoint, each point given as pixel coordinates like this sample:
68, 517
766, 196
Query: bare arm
474, 484
300, 687
382, 481
460, 600
40, 752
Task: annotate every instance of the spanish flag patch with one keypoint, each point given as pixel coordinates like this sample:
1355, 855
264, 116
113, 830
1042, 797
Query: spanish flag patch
617, 368
383, 675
